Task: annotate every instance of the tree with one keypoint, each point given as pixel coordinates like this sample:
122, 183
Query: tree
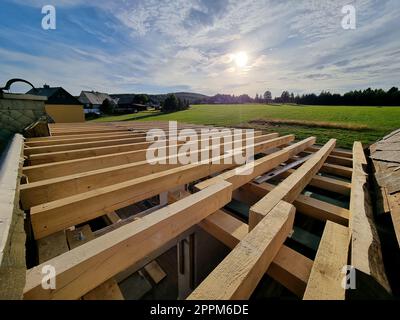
285, 97
267, 96
140, 99
170, 103
107, 107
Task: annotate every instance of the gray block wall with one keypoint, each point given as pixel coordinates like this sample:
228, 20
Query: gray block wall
17, 111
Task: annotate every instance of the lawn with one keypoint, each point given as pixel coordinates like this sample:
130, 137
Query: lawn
344, 123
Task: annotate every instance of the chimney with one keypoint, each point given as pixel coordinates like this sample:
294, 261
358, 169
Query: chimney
46, 86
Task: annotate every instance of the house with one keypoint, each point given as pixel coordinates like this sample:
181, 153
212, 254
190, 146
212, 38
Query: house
126, 103
61, 106
92, 100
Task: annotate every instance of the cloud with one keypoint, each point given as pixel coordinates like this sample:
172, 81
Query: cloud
156, 46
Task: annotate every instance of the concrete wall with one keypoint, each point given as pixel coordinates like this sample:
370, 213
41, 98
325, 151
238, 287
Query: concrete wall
65, 113
12, 234
17, 111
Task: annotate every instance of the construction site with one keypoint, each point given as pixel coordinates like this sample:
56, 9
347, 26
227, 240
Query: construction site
85, 216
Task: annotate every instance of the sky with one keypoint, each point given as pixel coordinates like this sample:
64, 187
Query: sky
204, 46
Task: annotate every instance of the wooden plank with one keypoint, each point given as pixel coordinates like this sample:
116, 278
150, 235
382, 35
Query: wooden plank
337, 170
335, 152
394, 204
82, 145
289, 268
289, 189
109, 290
53, 216
342, 161
69, 167
366, 255
121, 248
309, 206
155, 271
75, 132
91, 152
80, 139
39, 192
326, 183
113, 217
326, 278
106, 141
281, 170
238, 274
80, 136
244, 174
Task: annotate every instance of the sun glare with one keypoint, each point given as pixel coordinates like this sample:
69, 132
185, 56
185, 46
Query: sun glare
241, 59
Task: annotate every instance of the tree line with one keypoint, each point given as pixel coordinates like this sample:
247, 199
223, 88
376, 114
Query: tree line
368, 97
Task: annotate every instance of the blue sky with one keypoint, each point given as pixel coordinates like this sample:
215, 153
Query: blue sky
164, 46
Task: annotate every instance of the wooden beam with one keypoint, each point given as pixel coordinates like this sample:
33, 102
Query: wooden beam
238, 274
326, 183
366, 255
69, 167
39, 192
332, 159
106, 141
82, 145
93, 151
326, 276
394, 205
80, 136
335, 152
108, 290
337, 170
53, 216
309, 206
155, 272
121, 248
289, 267
244, 174
74, 132
290, 188
42, 143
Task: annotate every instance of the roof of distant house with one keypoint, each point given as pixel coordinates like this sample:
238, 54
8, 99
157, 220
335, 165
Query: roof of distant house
124, 98
93, 97
55, 95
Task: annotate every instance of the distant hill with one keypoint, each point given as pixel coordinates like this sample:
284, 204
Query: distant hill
192, 97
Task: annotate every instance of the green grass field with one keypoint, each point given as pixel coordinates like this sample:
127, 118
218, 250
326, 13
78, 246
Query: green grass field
346, 124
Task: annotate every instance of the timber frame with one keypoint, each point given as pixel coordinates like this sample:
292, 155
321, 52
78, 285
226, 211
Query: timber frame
296, 191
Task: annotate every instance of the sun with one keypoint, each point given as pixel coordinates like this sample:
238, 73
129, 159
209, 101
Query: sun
241, 59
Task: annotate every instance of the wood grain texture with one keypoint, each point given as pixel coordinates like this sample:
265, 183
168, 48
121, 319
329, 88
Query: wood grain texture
290, 188
238, 274
119, 249
325, 282
366, 255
